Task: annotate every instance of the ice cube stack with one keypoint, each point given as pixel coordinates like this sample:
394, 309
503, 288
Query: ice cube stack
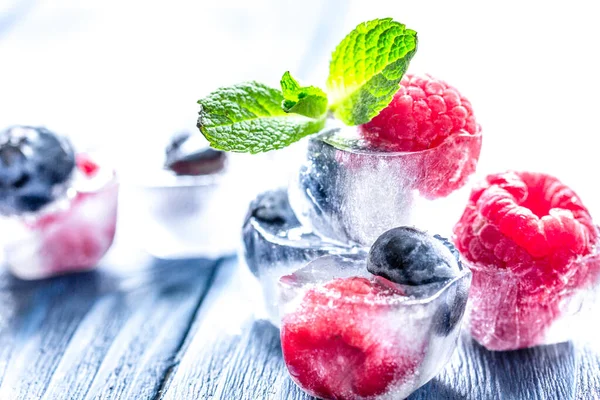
367, 306
346, 193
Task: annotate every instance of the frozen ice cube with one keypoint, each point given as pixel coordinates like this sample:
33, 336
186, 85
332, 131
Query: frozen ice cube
530, 313
275, 244
349, 191
349, 334
190, 216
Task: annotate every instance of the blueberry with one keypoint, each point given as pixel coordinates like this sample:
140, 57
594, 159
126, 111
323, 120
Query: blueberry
273, 207
409, 256
189, 154
34, 165
273, 212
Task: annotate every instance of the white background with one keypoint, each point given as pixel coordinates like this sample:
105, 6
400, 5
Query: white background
126, 74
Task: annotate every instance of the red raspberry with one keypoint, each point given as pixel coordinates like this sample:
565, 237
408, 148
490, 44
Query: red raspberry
423, 113
336, 344
526, 235
86, 165
428, 114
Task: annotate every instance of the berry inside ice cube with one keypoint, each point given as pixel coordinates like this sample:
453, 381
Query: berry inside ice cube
336, 346
431, 117
349, 334
35, 165
71, 234
529, 237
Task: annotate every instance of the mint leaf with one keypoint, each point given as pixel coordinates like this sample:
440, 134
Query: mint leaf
309, 101
366, 68
248, 118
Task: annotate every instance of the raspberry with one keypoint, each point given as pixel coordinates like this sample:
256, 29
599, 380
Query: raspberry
526, 235
422, 115
427, 115
85, 164
335, 344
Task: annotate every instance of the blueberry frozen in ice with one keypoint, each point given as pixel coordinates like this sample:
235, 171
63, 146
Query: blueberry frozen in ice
409, 256
273, 207
35, 166
59, 208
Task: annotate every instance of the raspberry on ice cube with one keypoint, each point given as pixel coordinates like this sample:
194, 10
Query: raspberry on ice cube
349, 334
70, 234
529, 237
428, 115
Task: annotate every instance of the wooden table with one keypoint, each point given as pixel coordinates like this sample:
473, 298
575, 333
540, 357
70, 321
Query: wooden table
186, 330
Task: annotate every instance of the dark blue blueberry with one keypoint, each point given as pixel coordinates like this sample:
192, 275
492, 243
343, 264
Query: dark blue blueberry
189, 154
272, 212
273, 208
408, 256
34, 162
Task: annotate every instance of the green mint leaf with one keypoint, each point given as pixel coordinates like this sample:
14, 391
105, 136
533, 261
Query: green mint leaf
248, 118
366, 68
309, 101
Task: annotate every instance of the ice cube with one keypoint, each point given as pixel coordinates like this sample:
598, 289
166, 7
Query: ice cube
349, 191
532, 311
346, 333
190, 216
275, 244
71, 234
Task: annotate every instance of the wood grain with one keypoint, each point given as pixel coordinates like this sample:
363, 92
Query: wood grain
189, 330
97, 335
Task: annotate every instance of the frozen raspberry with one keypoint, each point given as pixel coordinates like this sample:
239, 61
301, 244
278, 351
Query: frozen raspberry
335, 344
526, 235
428, 114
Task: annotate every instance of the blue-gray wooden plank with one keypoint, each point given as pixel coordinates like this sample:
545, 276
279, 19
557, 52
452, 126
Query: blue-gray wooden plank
100, 335
157, 333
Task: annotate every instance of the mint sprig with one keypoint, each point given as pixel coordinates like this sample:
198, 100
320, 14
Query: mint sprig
364, 73
366, 68
309, 101
248, 118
